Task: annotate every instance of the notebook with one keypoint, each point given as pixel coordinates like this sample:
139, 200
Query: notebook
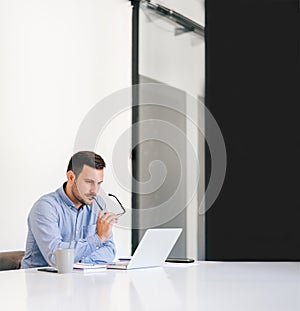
152, 250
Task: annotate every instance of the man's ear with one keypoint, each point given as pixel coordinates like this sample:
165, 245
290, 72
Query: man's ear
71, 176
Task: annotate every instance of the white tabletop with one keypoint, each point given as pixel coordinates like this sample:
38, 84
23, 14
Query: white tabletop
208, 286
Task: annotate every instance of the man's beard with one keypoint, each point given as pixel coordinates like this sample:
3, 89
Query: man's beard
78, 196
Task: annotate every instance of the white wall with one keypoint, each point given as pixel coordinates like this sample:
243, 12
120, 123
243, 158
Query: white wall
175, 60
58, 58
180, 62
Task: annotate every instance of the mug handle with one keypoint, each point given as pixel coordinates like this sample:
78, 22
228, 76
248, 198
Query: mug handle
50, 260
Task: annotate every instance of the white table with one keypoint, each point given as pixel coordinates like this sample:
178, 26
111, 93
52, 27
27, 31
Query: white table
208, 286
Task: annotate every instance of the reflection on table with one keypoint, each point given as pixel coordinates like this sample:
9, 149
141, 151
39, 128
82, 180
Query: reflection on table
208, 286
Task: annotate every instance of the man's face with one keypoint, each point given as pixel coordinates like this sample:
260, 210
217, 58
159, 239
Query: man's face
87, 184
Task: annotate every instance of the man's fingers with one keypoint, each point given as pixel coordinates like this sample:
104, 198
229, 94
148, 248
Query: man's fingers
108, 217
111, 218
102, 213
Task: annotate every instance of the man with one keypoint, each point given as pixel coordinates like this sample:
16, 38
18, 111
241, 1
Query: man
69, 217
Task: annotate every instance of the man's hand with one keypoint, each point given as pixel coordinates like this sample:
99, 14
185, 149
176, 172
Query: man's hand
104, 224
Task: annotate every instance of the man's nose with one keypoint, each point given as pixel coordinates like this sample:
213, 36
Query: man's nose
94, 189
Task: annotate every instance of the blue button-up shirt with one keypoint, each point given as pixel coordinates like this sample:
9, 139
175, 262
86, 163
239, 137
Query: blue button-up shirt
54, 222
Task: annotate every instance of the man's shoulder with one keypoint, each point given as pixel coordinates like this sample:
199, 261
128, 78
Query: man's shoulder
51, 196
51, 199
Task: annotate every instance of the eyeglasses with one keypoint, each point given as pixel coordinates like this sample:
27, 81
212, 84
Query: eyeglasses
112, 195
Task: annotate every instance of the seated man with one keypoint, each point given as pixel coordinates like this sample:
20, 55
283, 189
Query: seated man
69, 218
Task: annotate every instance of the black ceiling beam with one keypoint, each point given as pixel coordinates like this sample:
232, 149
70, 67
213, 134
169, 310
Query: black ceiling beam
176, 17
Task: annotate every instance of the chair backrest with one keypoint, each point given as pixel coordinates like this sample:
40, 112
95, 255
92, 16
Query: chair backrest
11, 260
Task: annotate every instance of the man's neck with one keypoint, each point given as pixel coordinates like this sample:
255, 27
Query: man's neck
69, 194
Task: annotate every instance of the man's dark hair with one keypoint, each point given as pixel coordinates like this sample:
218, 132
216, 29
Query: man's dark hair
82, 158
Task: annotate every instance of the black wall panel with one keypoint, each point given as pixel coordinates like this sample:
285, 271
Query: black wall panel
252, 89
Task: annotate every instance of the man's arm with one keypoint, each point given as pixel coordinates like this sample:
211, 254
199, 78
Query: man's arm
44, 224
102, 255
104, 232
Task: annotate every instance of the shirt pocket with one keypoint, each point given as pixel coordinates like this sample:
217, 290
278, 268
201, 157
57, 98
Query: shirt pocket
89, 230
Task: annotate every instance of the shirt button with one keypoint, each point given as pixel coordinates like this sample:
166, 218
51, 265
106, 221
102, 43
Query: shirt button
97, 247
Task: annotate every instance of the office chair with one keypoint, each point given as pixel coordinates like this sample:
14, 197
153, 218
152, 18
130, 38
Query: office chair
11, 260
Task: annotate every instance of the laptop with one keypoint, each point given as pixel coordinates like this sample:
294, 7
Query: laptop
152, 250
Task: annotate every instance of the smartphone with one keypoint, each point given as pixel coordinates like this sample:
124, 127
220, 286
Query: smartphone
180, 260
48, 269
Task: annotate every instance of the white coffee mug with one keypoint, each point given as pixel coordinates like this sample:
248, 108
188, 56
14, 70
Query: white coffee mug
64, 258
